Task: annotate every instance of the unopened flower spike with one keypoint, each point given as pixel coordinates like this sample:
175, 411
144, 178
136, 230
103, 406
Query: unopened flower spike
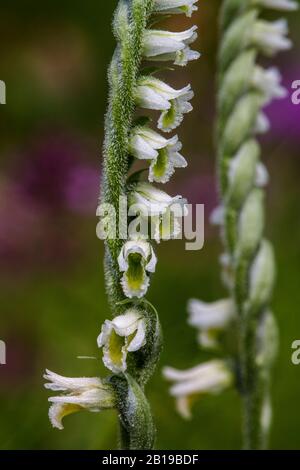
168, 46
208, 378
124, 334
175, 6
152, 93
248, 267
83, 393
145, 144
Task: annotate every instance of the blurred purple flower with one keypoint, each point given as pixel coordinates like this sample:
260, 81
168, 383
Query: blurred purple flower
283, 114
54, 176
82, 189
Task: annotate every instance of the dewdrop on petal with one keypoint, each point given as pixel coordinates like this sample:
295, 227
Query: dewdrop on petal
120, 336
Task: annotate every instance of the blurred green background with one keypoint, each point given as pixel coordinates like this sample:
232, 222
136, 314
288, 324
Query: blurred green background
54, 57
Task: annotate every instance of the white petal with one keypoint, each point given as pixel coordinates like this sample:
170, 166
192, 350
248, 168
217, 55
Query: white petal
210, 315
60, 383
262, 175
139, 339
126, 325
105, 333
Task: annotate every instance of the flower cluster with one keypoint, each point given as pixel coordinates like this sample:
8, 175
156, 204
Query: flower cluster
241, 329
137, 259
148, 205
131, 341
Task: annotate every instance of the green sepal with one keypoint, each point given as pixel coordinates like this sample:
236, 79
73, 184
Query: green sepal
235, 83
153, 70
141, 121
159, 19
243, 177
135, 178
137, 430
141, 364
231, 9
241, 122
236, 39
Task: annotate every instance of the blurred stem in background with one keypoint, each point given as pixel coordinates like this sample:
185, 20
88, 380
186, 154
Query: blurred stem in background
244, 88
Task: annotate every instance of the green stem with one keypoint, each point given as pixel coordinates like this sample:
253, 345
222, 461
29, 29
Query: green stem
131, 18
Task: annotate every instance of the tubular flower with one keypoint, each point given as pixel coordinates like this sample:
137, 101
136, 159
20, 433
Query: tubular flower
152, 93
210, 319
146, 144
209, 378
78, 394
269, 83
120, 336
175, 6
136, 259
271, 38
165, 212
168, 46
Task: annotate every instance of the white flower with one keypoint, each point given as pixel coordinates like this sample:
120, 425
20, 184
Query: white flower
165, 45
270, 37
287, 5
217, 215
210, 319
175, 6
120, 336
268, 81
262, 175
146, 144
136, 259
78, 394
152, 93
262, 124
211, 377
164, 211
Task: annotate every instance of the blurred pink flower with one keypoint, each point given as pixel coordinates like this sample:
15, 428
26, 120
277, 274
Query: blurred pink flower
283, 114
82, 189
